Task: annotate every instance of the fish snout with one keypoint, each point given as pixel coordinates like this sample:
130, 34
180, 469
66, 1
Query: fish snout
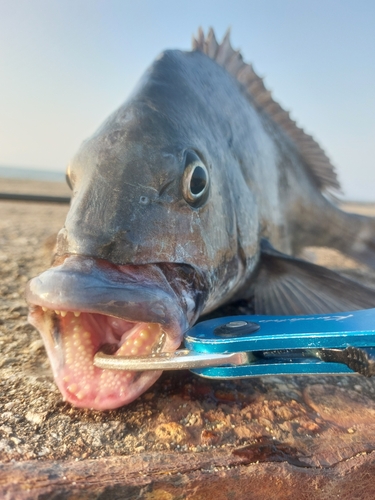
116, 246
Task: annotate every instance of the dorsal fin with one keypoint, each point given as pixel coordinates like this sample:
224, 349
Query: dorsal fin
320, 166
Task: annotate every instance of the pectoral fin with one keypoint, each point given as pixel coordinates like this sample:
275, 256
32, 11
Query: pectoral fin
286, 285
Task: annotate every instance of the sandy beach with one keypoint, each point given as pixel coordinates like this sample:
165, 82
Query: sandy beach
180, 416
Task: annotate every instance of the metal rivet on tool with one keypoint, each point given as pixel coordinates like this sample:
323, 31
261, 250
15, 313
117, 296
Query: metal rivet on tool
236, 329
236, 324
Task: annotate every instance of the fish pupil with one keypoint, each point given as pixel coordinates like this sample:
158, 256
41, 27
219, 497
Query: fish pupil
198, 180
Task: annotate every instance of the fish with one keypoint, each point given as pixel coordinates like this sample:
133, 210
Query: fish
198, 192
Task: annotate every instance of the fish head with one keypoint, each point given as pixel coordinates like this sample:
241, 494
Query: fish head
151, 239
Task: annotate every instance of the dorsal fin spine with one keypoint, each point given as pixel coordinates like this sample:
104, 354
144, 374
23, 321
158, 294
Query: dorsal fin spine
223, 53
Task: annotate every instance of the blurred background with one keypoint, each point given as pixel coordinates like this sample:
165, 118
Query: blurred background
65, 65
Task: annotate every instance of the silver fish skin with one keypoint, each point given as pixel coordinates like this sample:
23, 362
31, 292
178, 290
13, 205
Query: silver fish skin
188, 197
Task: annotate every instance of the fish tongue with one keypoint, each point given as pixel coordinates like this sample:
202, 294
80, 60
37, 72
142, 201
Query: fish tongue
140, 340
85, 385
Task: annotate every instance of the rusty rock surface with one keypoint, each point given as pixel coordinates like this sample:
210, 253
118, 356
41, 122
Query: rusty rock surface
278, 437
206, 476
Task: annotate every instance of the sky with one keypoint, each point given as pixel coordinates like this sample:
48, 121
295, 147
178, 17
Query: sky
65, 65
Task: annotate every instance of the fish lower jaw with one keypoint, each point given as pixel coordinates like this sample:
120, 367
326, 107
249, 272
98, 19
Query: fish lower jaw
78, 336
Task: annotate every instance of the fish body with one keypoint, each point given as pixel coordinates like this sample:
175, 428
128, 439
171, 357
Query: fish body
191, 195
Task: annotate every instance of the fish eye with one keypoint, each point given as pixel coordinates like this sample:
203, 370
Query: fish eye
195, 181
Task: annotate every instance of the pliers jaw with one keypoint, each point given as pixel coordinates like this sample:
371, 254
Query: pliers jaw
253, 346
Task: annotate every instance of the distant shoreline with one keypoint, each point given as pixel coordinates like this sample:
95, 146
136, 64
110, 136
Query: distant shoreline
34, 174
37, 186
31, 174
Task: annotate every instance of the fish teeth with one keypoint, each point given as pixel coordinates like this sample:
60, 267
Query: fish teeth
73, 388
77, 314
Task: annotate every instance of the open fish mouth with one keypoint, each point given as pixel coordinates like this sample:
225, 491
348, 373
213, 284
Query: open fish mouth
83, 306
77, 337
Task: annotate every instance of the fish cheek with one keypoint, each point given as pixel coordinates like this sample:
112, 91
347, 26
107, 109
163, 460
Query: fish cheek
248, 234
247, 222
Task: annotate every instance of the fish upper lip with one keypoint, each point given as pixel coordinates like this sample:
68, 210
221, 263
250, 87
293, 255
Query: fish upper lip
76, 286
